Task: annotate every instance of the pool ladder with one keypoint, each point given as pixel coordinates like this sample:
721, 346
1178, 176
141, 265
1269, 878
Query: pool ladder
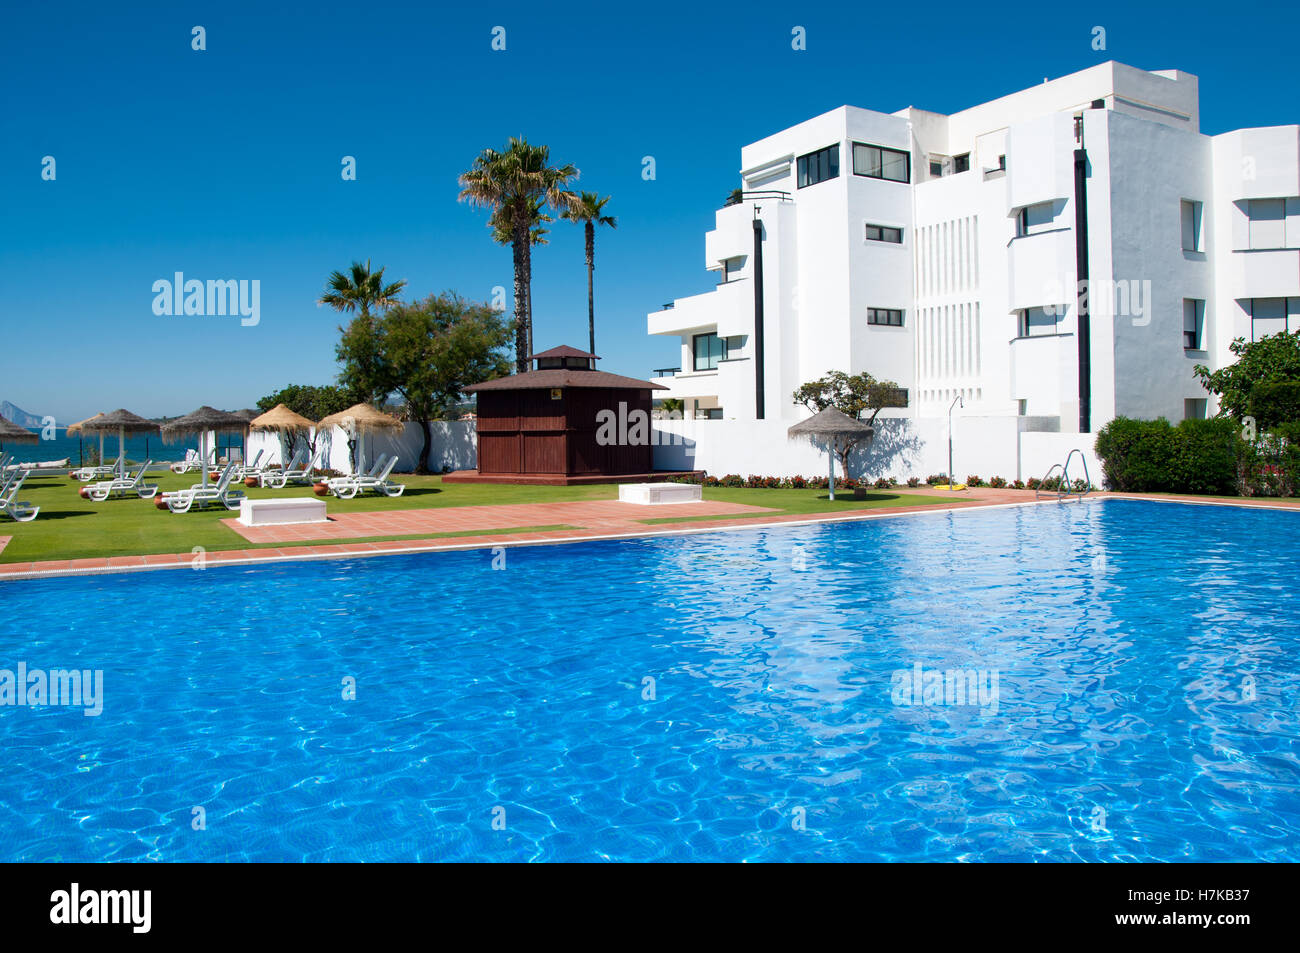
1064, 489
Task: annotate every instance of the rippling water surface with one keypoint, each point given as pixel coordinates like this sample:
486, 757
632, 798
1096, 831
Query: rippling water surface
726, 696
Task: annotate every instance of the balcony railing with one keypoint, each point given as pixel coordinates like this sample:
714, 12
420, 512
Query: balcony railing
739, 195
665, 372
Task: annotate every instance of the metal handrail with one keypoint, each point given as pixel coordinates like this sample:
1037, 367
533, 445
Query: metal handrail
762, 195
1065, 470
1064, 490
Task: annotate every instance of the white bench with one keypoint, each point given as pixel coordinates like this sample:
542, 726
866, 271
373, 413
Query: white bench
652, 494
295, 509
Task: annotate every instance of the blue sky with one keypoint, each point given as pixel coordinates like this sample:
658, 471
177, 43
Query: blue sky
225, 163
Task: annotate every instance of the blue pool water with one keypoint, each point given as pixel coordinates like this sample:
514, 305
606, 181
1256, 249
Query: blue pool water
1125, 636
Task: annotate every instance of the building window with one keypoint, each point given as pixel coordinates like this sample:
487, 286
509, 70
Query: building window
884, 233
936, 168
1273, 316
1036, 321
1002, 163
819, 166
1194, 408
1193, 324
709, 350
886, 317
1191, 214
877, 162
1035, 218
1267, 223
961, 163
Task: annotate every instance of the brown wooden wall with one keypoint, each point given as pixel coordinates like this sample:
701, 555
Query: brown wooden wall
528, 432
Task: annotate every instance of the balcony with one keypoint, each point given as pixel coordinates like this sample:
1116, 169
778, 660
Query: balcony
1041, 269
729, 309
1266, 273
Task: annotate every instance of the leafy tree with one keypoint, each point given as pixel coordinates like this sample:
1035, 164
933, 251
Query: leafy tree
1272, 359
515, 184
589, 210
361, 292
431, 350
1275, 402
852, 395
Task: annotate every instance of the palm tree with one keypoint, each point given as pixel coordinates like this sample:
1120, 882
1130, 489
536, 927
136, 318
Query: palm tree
503, 234
516, 184
587, 209
359, 291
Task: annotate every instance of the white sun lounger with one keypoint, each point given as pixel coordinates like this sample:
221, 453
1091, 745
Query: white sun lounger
243, 472
299, 470
10, 505
191, 462
86, 474
99, 492
219, 492
345, 488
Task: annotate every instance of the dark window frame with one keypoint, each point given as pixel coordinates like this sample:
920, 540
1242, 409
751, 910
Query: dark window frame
708, 354
1197, 342
824, 163
961, 163
907, 162
885, 317
881, 231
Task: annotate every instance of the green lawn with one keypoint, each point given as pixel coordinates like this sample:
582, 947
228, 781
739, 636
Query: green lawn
69, 527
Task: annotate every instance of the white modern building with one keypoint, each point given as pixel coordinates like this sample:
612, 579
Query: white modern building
957, 254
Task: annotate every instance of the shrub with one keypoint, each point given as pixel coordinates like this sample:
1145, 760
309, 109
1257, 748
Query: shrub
752, 481
733, 479
1018, 485
974, 480
913, 482
1033, 483
997, 482
934, 479
798, 482
711, 481
1197, 456
818, 483
882, 484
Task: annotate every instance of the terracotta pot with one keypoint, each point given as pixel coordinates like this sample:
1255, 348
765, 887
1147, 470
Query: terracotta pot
159, 502
321, 489
83, 493
214, 475
250, 481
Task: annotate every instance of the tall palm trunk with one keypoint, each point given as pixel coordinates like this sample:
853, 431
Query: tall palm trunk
591, 296
528, 290
519, 249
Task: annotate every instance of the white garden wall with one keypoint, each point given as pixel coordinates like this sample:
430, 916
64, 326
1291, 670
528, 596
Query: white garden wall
902, 448
451, 445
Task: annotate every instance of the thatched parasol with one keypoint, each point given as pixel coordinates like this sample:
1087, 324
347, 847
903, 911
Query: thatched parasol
79, 427
10, 432
831, 426
124, 422
359, 420
287, 423
200, 422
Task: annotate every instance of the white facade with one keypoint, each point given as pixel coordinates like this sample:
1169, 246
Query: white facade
967, 262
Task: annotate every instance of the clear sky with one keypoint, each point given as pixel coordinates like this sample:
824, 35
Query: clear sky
226, 163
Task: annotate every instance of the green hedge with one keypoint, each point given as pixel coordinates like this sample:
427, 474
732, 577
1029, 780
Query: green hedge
1196, 456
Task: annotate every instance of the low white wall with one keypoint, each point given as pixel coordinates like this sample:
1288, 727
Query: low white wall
902, 448
451, 445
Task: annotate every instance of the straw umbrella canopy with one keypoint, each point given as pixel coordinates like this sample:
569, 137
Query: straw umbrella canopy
359, 420
831, 427
10, 432
80, 427
200, 422
124, 422
284, 421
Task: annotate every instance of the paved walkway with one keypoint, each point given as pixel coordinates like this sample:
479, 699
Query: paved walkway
595, 519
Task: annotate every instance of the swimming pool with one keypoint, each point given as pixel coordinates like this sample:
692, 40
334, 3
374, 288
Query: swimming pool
725, 696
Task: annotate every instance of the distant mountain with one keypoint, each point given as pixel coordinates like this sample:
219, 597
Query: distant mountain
19, 416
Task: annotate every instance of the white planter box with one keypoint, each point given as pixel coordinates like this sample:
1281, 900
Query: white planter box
298, 509
652, 494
